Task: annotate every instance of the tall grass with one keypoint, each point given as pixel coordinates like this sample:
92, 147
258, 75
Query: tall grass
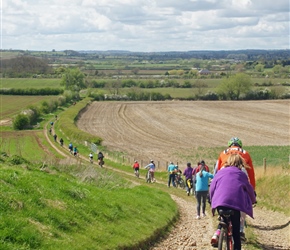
273, 188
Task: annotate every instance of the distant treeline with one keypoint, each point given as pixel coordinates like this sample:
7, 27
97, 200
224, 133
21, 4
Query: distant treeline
24, 66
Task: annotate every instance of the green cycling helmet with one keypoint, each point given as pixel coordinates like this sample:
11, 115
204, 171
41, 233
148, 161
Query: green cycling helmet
235, 141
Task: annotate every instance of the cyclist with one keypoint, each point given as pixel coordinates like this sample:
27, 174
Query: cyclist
236, 194
70, 147
194, 176
201, 189
100, 158
91, 157
171, 169
151, 167
75, 150
235, 147
136, 167
188, 177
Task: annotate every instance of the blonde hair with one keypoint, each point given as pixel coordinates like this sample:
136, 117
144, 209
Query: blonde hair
236, 160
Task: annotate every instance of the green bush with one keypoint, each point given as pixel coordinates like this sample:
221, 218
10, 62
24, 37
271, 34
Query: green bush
20, 122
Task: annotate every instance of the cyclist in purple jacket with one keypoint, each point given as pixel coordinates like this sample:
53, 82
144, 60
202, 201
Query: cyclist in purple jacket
231, 189
188, 177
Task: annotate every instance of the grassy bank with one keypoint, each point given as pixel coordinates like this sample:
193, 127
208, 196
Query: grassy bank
78, 208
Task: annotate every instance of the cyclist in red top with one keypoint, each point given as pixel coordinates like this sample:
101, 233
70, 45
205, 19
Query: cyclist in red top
136, 167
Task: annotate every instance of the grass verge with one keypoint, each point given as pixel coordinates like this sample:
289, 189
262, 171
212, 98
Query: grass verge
78, 207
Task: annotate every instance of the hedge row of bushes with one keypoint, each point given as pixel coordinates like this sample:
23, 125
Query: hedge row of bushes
66, 124
258, 94
32, 91
32, 114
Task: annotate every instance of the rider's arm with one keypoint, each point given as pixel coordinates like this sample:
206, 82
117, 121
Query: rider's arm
216, 166
250, 171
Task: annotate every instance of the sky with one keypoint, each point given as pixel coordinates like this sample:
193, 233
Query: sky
144, 25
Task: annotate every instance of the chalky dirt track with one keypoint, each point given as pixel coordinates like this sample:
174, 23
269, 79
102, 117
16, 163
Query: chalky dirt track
161, 130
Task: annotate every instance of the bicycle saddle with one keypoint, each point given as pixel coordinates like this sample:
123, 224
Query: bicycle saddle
225, 212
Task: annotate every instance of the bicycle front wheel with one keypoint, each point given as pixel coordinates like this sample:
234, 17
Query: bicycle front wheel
223, 243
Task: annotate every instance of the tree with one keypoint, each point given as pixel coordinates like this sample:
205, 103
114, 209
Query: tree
135, 71
259, 67
73, 79
233, 87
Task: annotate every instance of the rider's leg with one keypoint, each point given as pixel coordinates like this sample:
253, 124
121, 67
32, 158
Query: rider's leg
204, 196
169, 180
173, 180
235, 218
242, 220
198, 201
152, 175
186, 186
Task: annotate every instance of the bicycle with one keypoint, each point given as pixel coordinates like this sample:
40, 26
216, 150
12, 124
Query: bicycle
148, 177
226, 236
179, 181
136, 172
101, 162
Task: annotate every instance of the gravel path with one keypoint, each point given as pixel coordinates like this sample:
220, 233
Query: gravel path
188, 233
271, 228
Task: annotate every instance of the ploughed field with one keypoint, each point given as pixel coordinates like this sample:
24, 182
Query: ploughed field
171, 130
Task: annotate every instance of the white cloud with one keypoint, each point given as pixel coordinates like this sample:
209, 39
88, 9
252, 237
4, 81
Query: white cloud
145, 25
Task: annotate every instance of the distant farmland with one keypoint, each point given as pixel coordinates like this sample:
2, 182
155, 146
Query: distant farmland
23, 83
12, 105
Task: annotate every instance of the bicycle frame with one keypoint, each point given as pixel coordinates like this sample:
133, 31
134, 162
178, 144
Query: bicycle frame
148, 176
226, 236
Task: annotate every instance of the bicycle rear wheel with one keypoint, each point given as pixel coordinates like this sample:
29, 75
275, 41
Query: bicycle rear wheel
223, 243
181, 183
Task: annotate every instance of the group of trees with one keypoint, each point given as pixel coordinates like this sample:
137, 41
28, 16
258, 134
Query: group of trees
24, 66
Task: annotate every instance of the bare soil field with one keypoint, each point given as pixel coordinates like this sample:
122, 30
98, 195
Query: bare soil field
172, 130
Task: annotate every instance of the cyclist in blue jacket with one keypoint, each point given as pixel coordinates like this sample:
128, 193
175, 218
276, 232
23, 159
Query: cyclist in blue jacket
171, 171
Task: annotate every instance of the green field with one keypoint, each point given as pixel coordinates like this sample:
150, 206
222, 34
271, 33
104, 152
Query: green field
23, 83
28, 144
13, 105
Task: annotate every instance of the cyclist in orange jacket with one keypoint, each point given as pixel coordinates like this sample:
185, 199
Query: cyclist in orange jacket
235, 147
